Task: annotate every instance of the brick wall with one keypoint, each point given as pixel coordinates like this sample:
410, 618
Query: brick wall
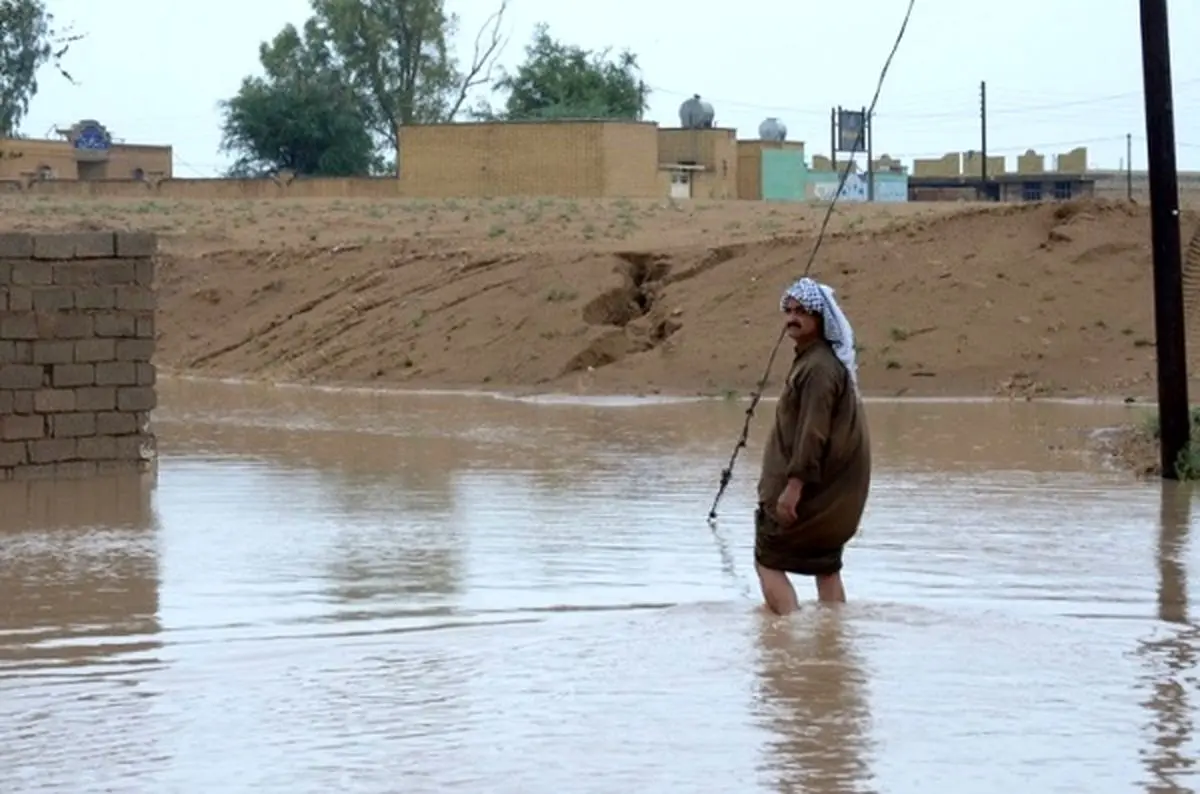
77, 379
572, 158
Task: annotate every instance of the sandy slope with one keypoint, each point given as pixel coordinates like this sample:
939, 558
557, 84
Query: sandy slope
642, 296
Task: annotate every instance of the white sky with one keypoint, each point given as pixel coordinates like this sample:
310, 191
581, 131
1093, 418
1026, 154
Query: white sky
154, 70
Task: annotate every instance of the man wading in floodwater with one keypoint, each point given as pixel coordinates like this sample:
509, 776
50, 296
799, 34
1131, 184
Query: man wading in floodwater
816, 468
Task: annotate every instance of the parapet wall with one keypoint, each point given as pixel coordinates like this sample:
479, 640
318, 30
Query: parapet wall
77, 378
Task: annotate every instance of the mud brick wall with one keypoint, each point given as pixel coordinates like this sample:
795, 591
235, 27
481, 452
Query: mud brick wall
77, 376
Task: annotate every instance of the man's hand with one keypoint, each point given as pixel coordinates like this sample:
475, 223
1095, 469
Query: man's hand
785, 507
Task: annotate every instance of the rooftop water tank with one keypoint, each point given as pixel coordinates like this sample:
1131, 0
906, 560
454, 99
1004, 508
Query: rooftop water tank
772, 129
696, 114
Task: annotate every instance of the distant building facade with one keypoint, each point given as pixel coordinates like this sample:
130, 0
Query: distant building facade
570, 158
85, 152
961, 176
611, 159
588, 158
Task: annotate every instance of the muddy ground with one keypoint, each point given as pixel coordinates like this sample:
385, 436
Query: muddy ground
641, 296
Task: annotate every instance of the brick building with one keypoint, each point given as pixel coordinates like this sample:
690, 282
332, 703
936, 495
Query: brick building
87, 152
569, 158
697, 163
962, 176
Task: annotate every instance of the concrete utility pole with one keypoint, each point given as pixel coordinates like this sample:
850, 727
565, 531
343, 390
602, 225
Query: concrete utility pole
1169, 319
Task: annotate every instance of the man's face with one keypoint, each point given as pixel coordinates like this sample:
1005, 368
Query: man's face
800, 324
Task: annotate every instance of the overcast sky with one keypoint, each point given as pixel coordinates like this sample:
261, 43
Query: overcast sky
1060, 73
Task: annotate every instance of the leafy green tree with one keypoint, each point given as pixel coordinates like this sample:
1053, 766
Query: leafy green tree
395, 54
29, 39
301, 116
377, 64
559, 81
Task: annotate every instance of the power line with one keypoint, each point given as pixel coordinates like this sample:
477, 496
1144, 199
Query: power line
1181, 86
1010, 149
1045, 107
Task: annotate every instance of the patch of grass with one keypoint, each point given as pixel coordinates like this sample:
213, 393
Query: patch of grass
626, 221
561, 295
1187, 465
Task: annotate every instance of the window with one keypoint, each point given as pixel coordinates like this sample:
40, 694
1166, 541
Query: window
139, 174
1031, 191
1062, 190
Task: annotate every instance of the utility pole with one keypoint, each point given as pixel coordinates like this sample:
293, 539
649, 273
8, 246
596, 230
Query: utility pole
1129, 166
833, 138
1169, 320
983, 174
869, 132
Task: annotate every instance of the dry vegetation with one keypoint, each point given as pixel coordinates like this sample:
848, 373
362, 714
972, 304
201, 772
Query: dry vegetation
644, 296
191, 227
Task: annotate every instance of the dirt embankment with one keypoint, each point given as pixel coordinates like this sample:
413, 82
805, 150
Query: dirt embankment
646, 297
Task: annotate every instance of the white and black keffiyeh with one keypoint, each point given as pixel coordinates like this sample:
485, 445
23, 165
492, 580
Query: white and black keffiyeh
818, 298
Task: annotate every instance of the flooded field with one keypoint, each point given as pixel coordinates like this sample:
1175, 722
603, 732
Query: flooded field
384, 593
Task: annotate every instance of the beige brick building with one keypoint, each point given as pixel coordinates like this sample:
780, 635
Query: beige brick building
960, 176
578, 159
86, 152
699, 163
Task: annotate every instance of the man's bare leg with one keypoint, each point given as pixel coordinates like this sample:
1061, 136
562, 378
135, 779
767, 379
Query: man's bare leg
777, 590
830, 589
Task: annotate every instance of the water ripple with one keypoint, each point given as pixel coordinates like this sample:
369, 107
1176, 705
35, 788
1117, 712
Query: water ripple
377, 593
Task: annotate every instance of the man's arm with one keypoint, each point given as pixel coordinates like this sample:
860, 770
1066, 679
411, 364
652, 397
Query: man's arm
817, 392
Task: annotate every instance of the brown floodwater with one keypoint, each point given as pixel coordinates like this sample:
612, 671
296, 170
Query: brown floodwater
367, 592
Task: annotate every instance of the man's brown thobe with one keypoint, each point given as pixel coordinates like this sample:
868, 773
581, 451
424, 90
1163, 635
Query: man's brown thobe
820, 437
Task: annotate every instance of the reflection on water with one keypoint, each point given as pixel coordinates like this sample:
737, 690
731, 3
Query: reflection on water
79, 579
815, 702
428, 593
1172, 654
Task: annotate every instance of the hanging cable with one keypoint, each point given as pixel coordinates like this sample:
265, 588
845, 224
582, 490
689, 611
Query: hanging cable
727, 472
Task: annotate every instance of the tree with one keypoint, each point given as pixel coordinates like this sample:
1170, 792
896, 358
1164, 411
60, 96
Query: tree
565, 81
28, 40
395, 54
301, 116
390, 55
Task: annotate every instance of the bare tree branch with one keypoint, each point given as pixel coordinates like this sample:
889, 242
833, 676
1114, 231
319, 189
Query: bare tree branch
483, 59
